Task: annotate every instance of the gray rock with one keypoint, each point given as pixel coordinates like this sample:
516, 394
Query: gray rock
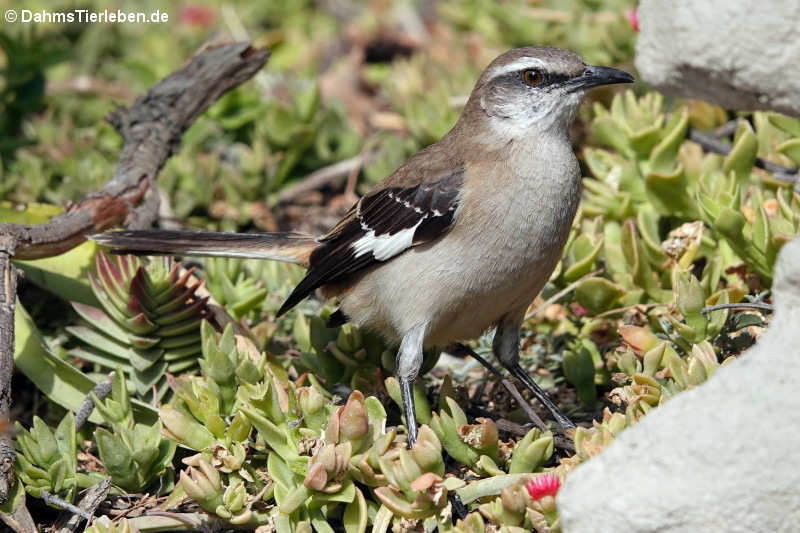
739, 54
721, 457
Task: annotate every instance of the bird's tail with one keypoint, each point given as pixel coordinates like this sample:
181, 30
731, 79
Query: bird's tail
287, 247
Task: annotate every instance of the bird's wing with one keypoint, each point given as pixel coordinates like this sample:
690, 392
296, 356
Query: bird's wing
383, 224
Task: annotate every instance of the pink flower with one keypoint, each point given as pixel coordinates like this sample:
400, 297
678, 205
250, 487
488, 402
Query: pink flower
544, 485
197, 15
633, 18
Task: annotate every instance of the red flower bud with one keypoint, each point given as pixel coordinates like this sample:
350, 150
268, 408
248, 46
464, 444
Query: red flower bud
544, 485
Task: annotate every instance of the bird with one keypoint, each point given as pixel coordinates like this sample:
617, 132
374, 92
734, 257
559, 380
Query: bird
456, 241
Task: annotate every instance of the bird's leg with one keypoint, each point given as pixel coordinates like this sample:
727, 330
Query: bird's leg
506, 350
409, 361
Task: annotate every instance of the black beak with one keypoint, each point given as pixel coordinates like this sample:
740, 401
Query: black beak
594, 76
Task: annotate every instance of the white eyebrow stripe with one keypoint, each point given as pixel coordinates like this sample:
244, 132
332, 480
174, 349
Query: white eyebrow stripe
519, 64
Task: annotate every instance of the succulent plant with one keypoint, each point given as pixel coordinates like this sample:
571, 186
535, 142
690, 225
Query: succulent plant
662, 372
232, 287
344, 354
313, 452
463, 442
134, 454
272, 141
149, 324
46, 459
225, 497
203, 411
103, 524
666, 230
472, 523
598, 30
656, 174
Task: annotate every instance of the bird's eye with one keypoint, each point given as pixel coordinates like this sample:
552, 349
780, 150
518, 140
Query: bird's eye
533, 77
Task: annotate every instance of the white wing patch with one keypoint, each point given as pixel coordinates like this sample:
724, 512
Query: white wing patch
385, 247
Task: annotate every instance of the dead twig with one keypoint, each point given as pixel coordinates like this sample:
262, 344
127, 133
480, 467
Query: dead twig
324, 176
727, 129
710, 143
463, 349
560, 294
8, 295
55, 501
101, 390
741, 305
151, 130
89, 504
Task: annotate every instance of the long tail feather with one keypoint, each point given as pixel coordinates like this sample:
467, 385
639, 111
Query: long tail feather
287, 247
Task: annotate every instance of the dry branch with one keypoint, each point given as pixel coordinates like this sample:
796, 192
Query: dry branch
8, 292
151, 130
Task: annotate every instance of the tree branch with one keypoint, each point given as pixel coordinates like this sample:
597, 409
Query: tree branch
8, 296
151, 130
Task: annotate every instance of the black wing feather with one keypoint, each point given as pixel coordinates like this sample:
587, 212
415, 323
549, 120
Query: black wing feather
428, 206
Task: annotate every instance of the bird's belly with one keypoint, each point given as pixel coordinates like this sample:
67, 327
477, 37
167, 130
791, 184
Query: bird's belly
462, 285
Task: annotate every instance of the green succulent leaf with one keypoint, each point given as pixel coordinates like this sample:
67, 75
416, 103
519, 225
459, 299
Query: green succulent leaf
743, 154
356, 514
598, 294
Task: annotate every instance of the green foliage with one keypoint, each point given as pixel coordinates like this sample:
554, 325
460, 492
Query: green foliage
149, 324
28, 55
272, 142
655, 175
134, 454
667, 230
343, 355
103, 524
232, 287
60, 381
314, 451
46, 458
595, 29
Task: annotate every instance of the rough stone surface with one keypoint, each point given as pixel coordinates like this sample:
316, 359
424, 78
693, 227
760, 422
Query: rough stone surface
739, 54
721, 457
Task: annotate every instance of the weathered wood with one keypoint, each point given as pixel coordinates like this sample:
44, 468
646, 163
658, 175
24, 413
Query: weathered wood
151, 130
8, 295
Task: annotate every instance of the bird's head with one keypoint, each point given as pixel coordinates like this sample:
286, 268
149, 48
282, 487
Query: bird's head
536, 89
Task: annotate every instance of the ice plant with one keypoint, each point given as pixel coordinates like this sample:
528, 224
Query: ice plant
544, 485
135, 455
542, 512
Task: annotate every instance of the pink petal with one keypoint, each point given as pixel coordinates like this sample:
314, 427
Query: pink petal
544, 485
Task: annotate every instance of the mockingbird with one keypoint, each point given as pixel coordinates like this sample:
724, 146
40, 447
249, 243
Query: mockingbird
460, 238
